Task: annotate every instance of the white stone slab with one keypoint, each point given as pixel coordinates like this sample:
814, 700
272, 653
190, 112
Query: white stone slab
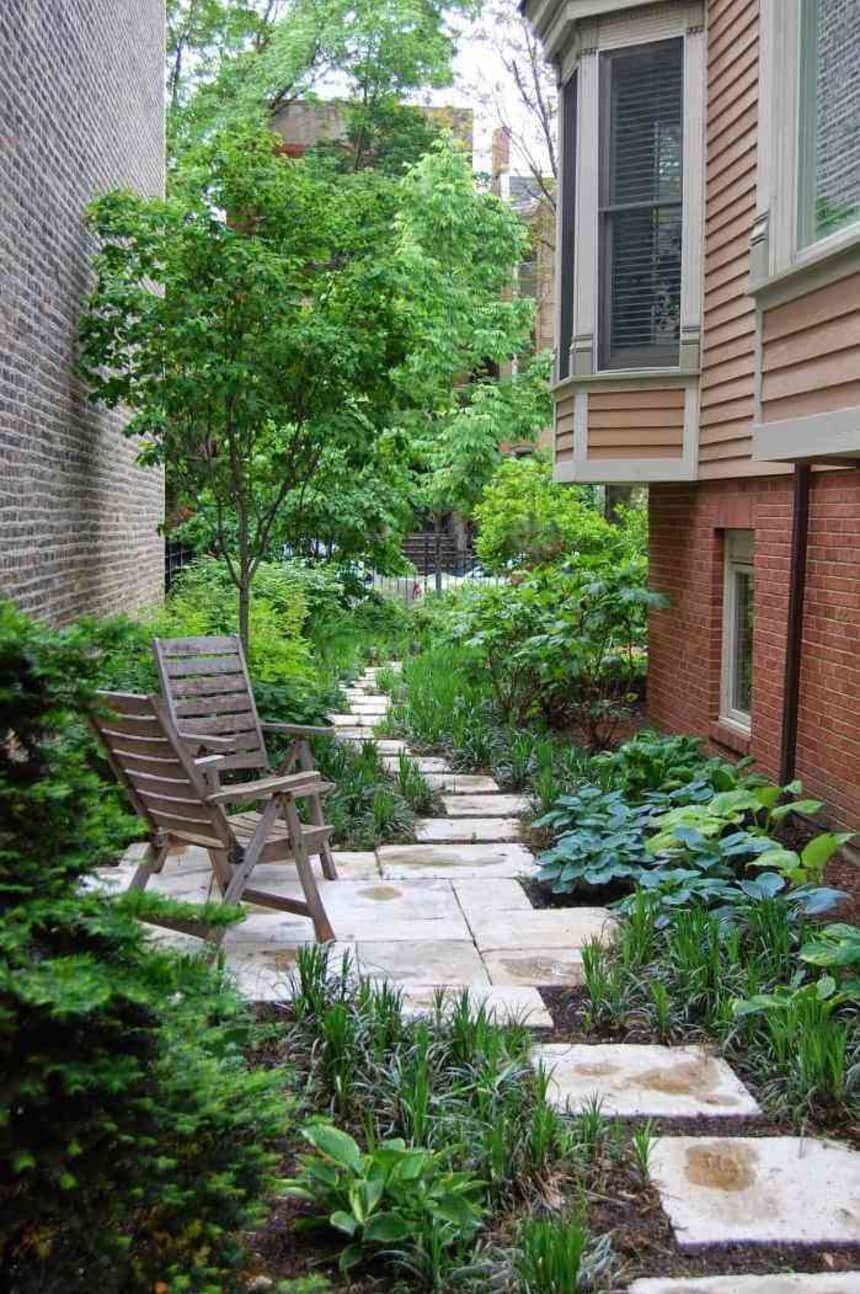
542, 927
475, 784
478, 899
543, 967
353, 864
427, 764
646, 1081
795, 1283
758, 1190
506, 1005
429, 831
464, 805
371, 704
354, 734
345, 721
456, 862
448, 962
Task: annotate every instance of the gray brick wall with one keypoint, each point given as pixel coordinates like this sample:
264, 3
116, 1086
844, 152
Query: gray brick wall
81, 111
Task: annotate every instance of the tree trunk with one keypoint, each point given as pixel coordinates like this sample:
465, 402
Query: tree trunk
245, 608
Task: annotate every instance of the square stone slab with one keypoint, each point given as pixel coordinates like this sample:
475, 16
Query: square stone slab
647, 1081
468, 830
799, 1283
446, 962
428, 764
758, 1190
475, 784
478, 899
456, 862
506, 1005
541, 927
353, 864
542, 967
463, 805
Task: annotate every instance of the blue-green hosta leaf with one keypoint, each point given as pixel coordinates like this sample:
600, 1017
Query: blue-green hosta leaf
763, 887
814, 899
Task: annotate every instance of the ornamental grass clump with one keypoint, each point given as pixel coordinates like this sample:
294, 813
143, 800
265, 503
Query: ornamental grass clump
133, 1137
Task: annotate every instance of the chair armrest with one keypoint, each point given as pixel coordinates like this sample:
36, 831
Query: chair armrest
208, 739
296, 729
265, 787
208, 761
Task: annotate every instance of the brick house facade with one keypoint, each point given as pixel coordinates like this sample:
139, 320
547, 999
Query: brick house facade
82, 111
709, 347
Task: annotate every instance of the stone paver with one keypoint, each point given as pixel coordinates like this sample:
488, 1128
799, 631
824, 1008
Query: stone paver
541, 927
429, 831
347, 721
463, 783
429, 764
477, 899
758, 1190
648, 1081
463, 805
542, 967
506, 1005
799, 1283
455, 862
445, 962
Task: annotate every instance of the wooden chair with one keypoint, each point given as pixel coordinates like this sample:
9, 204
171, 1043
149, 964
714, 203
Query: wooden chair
211, 702
170, 792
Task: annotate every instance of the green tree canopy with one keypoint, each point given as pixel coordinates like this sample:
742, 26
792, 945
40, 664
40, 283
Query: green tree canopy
270, 315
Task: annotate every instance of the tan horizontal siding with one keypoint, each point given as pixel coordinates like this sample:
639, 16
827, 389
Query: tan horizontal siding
564, 428
810, 353
626, 423
728, 351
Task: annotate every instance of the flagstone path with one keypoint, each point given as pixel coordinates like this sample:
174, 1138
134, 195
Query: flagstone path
448, 912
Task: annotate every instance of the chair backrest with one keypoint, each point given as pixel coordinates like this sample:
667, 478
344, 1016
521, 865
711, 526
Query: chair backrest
162, 782
208, 690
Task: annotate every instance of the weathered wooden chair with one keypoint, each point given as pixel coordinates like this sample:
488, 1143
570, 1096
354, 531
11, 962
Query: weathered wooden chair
170, 791
211, 702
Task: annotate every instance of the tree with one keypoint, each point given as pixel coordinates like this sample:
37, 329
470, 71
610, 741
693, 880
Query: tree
299, 316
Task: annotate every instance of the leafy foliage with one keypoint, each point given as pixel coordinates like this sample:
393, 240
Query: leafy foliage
133, 1136
394, 1195
524, 519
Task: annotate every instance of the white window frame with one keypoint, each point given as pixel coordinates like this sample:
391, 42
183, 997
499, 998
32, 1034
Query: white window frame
776, 250
738, 548
619, 30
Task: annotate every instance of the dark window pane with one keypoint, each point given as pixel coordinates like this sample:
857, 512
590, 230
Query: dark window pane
568, 215
641, 183
743, 642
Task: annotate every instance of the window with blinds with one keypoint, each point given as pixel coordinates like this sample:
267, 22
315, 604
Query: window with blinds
641, 140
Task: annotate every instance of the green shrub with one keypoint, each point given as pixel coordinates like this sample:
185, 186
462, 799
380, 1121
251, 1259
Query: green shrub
133, 1137
526, 520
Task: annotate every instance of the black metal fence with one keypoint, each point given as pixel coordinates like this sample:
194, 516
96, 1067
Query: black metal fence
176, 555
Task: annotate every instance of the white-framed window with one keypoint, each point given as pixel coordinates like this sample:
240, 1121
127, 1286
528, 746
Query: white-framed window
809, 155
738, 619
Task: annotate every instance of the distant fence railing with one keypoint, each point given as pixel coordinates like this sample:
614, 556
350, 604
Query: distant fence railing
176, 555
464, 570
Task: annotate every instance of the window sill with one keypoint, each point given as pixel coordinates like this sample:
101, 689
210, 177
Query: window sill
731, 735
647, 376
815, 267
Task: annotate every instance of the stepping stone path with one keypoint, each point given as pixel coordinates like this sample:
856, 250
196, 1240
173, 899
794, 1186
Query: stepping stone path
447, 916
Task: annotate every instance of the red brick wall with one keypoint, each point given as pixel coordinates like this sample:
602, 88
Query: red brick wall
687, 524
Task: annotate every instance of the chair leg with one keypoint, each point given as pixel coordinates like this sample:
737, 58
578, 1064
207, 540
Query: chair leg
315, 812
318, 914
152, 861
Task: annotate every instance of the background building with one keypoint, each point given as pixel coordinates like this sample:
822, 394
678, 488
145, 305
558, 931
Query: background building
82, 111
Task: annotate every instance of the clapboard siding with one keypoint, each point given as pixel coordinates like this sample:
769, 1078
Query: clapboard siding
728, 356
809, 353
564, 428
636, 424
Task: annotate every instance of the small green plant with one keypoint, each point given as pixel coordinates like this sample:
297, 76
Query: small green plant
550, 1254
642, 1142
836, 948
391, 1197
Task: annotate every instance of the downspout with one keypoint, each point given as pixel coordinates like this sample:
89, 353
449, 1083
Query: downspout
794, 634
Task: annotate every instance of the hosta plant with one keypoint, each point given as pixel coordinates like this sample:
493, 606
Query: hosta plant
393, 1197
836, 948
601, 841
